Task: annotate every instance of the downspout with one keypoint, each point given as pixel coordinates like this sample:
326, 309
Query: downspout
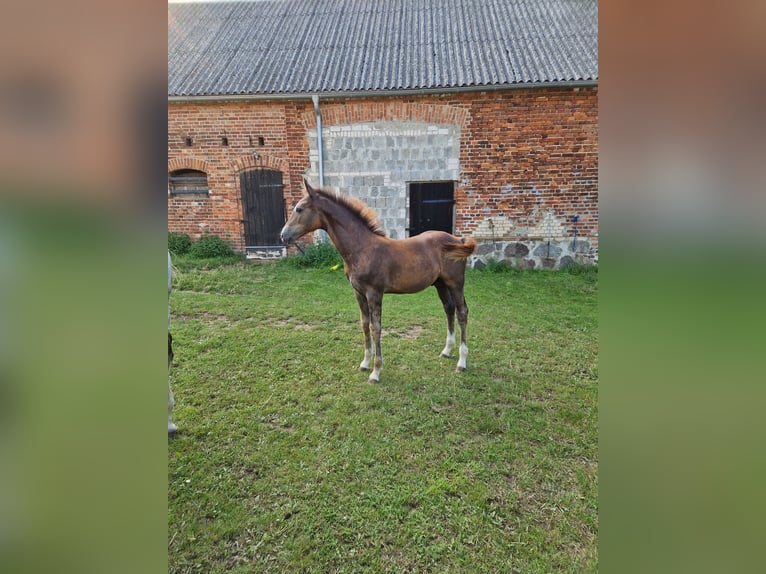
320, 235
315, 99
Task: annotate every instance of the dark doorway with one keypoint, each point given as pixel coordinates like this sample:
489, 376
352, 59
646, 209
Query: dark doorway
431, 206
263, 206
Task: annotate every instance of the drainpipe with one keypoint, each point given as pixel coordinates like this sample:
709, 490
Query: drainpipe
315, 99
321, 235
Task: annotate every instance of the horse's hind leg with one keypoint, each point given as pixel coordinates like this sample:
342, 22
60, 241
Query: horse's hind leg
462, 319
449, 310
364, 320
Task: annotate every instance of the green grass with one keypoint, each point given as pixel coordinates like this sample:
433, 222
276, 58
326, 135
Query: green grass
288, 461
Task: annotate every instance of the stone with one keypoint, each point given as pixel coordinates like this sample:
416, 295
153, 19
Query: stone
527, 264
516, 250
548, 262
581, 246
479, 264
565, 262
485, 249
542, 250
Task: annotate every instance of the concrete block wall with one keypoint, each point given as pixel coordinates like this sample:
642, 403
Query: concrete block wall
374, 161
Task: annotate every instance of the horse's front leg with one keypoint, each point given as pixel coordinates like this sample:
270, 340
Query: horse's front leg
364, 320
375, 302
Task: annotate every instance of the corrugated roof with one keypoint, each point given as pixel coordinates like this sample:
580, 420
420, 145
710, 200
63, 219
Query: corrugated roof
308, 46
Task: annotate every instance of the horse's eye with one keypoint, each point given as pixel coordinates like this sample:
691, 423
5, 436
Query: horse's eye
298, 210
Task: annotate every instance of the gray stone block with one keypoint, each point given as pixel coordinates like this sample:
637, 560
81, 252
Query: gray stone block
516, 250
565, 262
581, 246
485, 249
542, 250
548, 262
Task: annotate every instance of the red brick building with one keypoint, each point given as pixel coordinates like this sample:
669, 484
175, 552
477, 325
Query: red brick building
489, 130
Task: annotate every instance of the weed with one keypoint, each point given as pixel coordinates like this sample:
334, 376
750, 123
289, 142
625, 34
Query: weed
317, 255
179, 243
211, 246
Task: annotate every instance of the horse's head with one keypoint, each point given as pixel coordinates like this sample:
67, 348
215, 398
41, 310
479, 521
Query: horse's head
304, 219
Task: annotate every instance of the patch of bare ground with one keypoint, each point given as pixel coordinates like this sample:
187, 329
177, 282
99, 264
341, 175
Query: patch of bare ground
410, 333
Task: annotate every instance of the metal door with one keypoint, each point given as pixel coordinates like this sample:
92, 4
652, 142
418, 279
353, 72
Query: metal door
431, 206
263, 206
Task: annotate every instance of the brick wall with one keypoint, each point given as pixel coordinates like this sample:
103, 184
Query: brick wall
528, 160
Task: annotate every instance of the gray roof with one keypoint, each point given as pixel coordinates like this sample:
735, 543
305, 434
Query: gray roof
308, 46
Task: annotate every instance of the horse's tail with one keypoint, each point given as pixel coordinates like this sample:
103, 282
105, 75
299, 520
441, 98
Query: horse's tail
459, 249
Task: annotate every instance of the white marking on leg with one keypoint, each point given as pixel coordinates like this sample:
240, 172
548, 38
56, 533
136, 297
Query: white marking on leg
365, 365
375, 376
449, 345
463, 356
171, 403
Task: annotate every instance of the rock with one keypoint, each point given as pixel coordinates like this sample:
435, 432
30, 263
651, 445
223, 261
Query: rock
548, 262
542, 250
565, 262
485, 249
581, 246
516, 250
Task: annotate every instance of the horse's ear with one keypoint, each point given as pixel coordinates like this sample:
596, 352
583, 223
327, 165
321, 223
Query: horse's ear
310, 190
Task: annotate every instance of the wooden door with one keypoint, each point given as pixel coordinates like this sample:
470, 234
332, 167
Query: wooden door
263, 206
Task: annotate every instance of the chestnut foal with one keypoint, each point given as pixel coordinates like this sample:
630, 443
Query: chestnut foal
376, 264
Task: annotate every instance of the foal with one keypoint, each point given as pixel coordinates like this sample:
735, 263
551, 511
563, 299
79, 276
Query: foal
376, 264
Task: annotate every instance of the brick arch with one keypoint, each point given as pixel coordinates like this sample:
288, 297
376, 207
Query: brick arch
261, 162
188, 163
354, 113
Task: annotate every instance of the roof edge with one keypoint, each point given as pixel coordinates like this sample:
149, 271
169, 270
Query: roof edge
385, 92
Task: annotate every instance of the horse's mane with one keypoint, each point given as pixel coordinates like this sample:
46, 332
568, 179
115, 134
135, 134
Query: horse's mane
356, 207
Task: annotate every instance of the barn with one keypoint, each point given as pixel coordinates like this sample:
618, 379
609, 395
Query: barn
479, 117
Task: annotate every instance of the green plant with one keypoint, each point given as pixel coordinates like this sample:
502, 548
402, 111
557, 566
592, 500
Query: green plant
179, 243
211, 246
580, 269
317, 255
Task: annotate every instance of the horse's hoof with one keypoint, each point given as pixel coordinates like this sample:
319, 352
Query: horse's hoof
443, 356
363, 369
460, 369
372, 381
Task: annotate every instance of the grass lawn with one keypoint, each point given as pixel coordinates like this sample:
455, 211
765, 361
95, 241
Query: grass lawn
286, 460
